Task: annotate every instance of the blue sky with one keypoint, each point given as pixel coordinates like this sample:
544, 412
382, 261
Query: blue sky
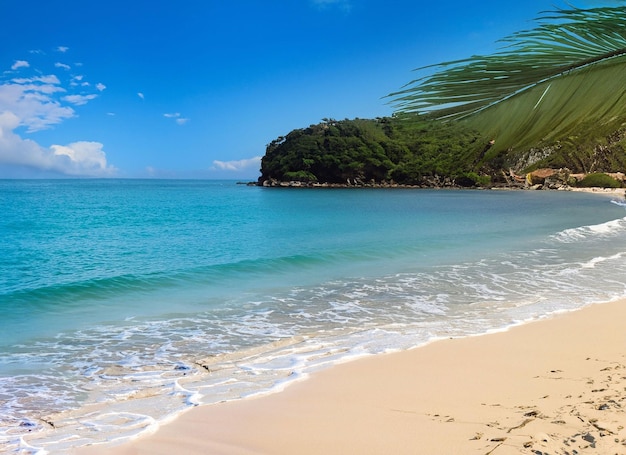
197, 88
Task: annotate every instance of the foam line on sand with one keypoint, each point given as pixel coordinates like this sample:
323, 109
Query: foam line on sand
556, 386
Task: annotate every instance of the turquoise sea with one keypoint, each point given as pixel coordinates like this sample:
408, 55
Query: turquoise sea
125, 302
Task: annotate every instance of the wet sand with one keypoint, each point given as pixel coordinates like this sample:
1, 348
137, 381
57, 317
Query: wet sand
556, 386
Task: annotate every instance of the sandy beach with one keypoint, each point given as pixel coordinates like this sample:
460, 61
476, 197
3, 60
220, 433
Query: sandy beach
557, 386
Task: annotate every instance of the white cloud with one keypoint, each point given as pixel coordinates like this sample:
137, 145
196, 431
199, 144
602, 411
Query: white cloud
176, 115
77, 159
63, 49
36, 103
79, 100
100, 86
85, 158
62, 65
20, 64
237, 165
32, 102
140, 95
50, 79
77, 80
39, 103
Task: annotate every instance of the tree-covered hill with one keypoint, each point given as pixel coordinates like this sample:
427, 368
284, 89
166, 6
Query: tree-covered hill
362, 150
416, 150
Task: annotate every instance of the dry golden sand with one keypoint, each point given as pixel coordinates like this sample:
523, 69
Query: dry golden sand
556, 386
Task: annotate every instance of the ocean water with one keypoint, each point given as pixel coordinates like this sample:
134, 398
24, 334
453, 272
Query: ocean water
126, 302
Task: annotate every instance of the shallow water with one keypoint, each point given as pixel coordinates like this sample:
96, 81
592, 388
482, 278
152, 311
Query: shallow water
143, 298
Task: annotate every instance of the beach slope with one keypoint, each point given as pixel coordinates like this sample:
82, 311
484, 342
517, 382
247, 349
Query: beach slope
555, 386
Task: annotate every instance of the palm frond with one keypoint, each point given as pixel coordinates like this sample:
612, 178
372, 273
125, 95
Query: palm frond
538, 75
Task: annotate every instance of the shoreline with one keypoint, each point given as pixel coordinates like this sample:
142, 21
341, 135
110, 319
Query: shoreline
621, 192
550, 386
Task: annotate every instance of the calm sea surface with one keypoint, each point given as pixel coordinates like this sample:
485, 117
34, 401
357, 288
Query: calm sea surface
124, 302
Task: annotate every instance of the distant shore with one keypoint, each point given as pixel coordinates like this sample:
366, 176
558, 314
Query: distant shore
608, 191
541, 179
553, 386
297, 184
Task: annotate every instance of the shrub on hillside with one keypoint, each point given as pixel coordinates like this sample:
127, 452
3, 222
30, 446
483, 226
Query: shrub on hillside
599, 180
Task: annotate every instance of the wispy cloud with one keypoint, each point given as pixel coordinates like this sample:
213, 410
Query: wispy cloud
141, 95
33, 102
20, 64
177, 117
62, 49
79, 100
238, 165
100, 87
77, 80
62, 65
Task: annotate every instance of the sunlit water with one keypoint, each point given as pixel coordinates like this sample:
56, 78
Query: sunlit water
125, 302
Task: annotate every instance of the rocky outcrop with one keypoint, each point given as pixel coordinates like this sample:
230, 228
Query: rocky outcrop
547, 178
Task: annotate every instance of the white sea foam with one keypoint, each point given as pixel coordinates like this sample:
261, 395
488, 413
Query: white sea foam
600, 259
337, 317
610, 228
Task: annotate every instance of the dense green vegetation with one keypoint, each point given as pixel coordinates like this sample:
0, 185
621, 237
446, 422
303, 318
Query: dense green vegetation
415, 150
385, 149
599, 180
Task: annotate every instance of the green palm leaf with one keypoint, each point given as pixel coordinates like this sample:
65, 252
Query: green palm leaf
546, 83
